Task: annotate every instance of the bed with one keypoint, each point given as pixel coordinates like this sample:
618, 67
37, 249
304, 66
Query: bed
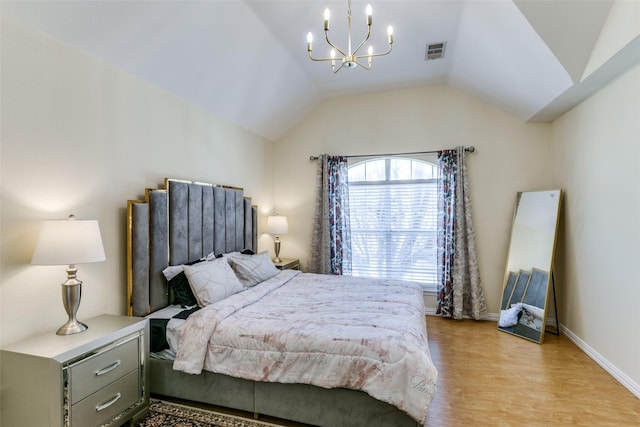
349, 379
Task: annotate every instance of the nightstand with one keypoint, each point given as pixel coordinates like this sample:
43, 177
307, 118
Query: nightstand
90, 379
287, 264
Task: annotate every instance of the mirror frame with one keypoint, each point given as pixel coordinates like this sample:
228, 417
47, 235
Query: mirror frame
511, 278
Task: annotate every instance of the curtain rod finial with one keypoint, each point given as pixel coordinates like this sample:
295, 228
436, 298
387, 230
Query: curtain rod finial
471, 148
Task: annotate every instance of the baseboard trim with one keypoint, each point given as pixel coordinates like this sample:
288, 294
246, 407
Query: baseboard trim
616, 373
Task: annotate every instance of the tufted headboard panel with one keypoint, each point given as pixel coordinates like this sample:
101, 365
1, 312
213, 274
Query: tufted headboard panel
182, 222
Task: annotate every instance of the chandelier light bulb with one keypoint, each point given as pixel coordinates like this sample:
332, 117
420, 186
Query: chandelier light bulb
309, 41
390, 34
369, 12
327, 16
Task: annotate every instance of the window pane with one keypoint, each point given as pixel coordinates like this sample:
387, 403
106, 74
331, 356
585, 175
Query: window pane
375, 170
357, 172
422, 170
400, 169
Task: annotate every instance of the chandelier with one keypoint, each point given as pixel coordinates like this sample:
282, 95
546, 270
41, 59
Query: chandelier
350, 58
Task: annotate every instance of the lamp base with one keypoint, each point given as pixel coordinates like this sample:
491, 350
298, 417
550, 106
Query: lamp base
71, 292
277, 250
72, 327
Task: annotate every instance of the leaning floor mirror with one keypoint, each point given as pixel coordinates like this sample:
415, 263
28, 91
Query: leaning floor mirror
528, 294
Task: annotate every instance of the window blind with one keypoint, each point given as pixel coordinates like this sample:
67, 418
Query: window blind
394, 230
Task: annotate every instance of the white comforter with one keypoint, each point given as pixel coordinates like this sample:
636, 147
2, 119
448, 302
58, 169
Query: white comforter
315, 329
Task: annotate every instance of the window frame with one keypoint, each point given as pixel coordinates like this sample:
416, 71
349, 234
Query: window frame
428, 287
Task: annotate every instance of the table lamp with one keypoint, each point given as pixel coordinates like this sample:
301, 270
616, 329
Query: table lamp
69, 242
277, 225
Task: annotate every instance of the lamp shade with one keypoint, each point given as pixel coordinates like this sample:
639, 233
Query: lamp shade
69, 241
277, 225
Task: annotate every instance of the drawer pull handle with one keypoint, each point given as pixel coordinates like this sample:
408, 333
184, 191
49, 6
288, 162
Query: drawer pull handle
109, 403
108, 369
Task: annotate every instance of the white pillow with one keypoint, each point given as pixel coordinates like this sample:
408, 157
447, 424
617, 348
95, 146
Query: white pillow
253, 269
212, 281
173, 270
230, 255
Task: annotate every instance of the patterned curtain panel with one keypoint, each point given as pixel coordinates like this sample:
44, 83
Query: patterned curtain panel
330, 251
459, 292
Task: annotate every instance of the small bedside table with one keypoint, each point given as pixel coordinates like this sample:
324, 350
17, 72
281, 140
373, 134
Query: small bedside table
93, 378
287, 264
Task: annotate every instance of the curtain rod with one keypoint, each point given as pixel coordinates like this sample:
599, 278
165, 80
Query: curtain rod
469, 149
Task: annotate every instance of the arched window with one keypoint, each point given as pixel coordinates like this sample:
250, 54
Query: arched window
393, 204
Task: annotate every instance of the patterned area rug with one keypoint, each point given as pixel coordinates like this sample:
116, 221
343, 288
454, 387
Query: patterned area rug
169, 414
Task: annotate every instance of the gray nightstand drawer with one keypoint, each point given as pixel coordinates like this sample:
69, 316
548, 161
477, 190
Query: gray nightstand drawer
102, 369
50, 380
106, 403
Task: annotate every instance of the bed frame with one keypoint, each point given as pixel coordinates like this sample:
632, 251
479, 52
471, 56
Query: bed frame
185, 221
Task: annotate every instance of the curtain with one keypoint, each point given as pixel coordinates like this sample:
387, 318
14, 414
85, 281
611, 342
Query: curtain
330, 251
459, 293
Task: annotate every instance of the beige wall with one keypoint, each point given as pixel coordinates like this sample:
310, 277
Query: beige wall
80, 137
596, 159
511, 156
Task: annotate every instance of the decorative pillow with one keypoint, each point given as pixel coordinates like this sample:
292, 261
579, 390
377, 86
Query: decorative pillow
212, 281
181, 291
179, 285
209, 256
253, 269
230, 255
172, 271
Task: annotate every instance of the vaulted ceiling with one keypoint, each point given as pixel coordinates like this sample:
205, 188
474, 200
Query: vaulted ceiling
246, 60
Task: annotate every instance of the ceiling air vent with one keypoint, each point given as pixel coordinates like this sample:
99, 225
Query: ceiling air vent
434, 51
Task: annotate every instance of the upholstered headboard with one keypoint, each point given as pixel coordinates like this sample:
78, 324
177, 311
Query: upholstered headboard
180, 223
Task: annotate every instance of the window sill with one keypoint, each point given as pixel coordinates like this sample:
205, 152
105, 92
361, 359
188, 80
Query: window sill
429, 291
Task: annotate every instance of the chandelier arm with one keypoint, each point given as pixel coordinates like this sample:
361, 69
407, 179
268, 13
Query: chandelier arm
335, 70
363, 41
368, 68
326, 36
376, 54
322, 59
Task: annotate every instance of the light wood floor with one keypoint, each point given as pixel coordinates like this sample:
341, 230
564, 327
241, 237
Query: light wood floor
491, 378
